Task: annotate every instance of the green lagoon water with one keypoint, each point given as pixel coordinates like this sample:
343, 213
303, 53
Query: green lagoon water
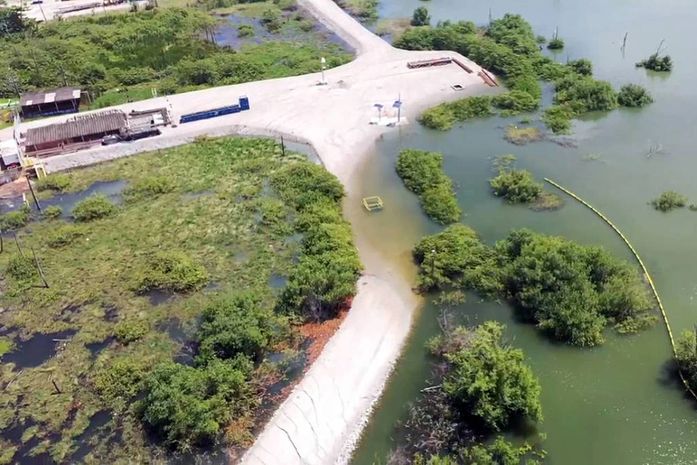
616, 404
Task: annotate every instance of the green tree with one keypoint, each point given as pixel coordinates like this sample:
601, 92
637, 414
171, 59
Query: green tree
12, 21
421, 17
491, 381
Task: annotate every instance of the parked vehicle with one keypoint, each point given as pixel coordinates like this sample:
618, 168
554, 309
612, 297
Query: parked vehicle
111, 139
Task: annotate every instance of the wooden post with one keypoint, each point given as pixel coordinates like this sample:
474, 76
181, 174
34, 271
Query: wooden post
283, 147
17, 243
55, 386
2, 244
33, 195
38, 267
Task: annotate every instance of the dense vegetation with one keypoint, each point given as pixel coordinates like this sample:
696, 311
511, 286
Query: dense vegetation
570, 291
177, 330
163, 49
669, 200
484, 387
686, 351
422, 173
509, 48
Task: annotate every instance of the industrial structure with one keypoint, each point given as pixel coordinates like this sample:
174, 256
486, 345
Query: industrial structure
50, 102
75, 133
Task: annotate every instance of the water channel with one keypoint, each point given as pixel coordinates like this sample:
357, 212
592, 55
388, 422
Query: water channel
616, 404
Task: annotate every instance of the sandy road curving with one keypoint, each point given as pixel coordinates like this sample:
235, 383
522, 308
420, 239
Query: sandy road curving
323, 416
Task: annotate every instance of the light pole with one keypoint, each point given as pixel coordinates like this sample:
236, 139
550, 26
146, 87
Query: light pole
398, 105
323, 62
379, 107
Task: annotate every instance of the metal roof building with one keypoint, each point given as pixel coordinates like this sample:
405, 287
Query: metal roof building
77, 130
50, 102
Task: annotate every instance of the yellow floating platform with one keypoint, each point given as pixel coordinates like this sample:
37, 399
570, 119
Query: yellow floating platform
373, 203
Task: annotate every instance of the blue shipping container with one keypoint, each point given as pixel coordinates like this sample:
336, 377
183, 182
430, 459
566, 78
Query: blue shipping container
212, 113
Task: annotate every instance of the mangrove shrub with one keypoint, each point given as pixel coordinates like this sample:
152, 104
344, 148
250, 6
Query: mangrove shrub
686, 354
490, 380
516, 186
235, 324
570, 291
421, 17
669, 200
655, 62
188, 406
633, 95
422, 173
324, 280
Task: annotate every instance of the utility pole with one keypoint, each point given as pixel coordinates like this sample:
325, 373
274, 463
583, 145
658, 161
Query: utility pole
33, 195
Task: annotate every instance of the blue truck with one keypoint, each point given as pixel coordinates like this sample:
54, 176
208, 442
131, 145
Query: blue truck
242, 105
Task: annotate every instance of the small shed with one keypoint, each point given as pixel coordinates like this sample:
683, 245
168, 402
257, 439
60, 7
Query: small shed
9, 155
50, 102
78, 130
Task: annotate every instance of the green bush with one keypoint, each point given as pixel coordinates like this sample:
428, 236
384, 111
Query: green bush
234, 325
657, 63
516, 186
150, 187
633, 95
57, 182
422, 173
120, 380
490, 380
455, 258
93, 208
686, 355
555, 44
15, 219
515, 101
558, 119
584, 94
170, 271
189, 406
420, 170
62, 236
443, 116
582, 66
131, 330
440, 204
245, 30
669, 200
52, 212
421, 17
21, 268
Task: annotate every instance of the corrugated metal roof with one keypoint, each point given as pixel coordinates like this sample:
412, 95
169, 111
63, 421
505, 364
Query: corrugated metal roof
78, 126
49, 96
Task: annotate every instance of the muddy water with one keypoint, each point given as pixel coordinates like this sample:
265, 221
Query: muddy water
616, 404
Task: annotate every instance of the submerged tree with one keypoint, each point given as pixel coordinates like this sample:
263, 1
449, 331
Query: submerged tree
421, 17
